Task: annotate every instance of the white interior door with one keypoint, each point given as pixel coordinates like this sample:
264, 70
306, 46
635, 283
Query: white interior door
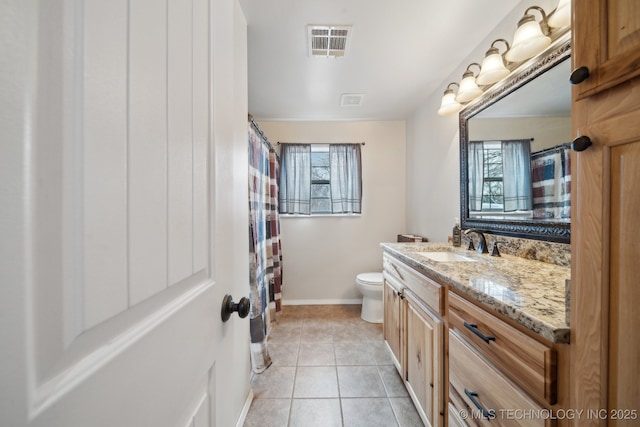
118, 175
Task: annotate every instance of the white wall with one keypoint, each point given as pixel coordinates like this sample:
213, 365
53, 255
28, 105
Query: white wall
546, 131
433, 169
322, 255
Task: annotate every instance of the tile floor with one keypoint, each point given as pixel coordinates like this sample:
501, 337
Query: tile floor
330, 368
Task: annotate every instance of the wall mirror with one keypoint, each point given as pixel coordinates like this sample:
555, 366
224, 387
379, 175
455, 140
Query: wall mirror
515, 167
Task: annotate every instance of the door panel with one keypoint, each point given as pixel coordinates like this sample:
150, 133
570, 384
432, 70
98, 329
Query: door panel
116, 285
201, 129
606, 40
180, 141
624, 319
147, 149
105, 154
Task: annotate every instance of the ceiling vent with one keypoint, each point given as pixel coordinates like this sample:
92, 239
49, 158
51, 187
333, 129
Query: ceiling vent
328, 40
351, 99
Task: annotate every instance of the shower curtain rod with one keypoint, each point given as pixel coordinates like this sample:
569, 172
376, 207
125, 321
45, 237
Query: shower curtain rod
257, 128
557, 147
323, 143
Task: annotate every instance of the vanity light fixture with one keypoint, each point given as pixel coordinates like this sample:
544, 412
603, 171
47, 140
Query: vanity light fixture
449, 104
561, 16
530, 38
469, 89
493, 68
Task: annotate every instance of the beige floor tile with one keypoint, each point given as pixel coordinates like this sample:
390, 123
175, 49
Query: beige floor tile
330, 368
392, 381
360, 381
405, 411
275, 381
315, 413
371, 331
316, 381
347, 331
316, 333
367, 412
268, 412
284, 353
286, 333
381, 353
316, 354
354, 353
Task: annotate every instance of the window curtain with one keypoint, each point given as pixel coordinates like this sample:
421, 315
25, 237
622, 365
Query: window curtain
516, 167
345, 179
476, 175
295, 179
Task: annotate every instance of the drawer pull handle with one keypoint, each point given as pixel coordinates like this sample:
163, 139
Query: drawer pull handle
474, 328
490, 414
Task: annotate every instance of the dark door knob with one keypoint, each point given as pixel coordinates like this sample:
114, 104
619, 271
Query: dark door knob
581, 143
579, 75
228, 307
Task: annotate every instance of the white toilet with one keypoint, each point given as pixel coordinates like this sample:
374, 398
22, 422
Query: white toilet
370, 285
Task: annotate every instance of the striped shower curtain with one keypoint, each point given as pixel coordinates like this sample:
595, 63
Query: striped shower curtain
551, 170
265, 271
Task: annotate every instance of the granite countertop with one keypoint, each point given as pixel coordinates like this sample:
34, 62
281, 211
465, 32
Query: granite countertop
531, 293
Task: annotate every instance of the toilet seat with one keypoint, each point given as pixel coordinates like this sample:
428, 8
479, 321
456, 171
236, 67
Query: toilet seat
371, 279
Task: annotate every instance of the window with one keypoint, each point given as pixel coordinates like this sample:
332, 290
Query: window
320, 179
492, 191
500, 176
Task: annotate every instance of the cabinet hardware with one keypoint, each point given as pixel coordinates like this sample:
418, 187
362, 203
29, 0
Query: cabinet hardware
579, 75
490, 414
474, 328
581, 143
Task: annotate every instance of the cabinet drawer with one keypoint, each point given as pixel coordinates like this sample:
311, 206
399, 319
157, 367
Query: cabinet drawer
526, 361
475, 385
428, 290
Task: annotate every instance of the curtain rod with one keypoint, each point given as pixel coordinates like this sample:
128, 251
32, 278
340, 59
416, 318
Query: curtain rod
557, 147
262, 135
323, 143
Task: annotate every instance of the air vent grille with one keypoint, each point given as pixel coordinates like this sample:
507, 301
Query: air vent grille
326, 40
351, 99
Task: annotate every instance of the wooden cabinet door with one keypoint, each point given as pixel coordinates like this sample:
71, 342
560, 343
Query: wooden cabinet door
391, 324
606, 39
424, 367
604, 239
624, 292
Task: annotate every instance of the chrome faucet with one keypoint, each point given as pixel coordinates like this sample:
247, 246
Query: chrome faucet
482, 246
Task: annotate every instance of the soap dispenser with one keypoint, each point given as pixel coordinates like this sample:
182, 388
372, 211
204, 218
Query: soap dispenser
457, 233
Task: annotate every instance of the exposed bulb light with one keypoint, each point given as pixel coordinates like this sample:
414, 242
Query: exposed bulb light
530, 38
493, 68
449, 105
561, 17
469, 89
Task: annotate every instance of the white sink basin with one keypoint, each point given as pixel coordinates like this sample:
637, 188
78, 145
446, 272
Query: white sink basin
445, 257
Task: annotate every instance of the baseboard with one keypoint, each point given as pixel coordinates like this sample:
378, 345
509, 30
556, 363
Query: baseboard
322, 301
245, 409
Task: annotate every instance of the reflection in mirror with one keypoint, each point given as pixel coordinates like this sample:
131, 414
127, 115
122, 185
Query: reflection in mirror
515, 162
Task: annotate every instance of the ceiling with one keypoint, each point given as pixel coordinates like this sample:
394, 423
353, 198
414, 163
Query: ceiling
400, 52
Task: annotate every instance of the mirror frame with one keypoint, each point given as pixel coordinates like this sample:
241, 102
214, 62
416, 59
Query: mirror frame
559, 51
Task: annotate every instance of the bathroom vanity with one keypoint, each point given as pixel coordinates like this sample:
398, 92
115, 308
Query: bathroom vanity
477, 338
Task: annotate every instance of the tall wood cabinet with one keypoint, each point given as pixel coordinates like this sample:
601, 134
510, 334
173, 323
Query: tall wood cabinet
605, 229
